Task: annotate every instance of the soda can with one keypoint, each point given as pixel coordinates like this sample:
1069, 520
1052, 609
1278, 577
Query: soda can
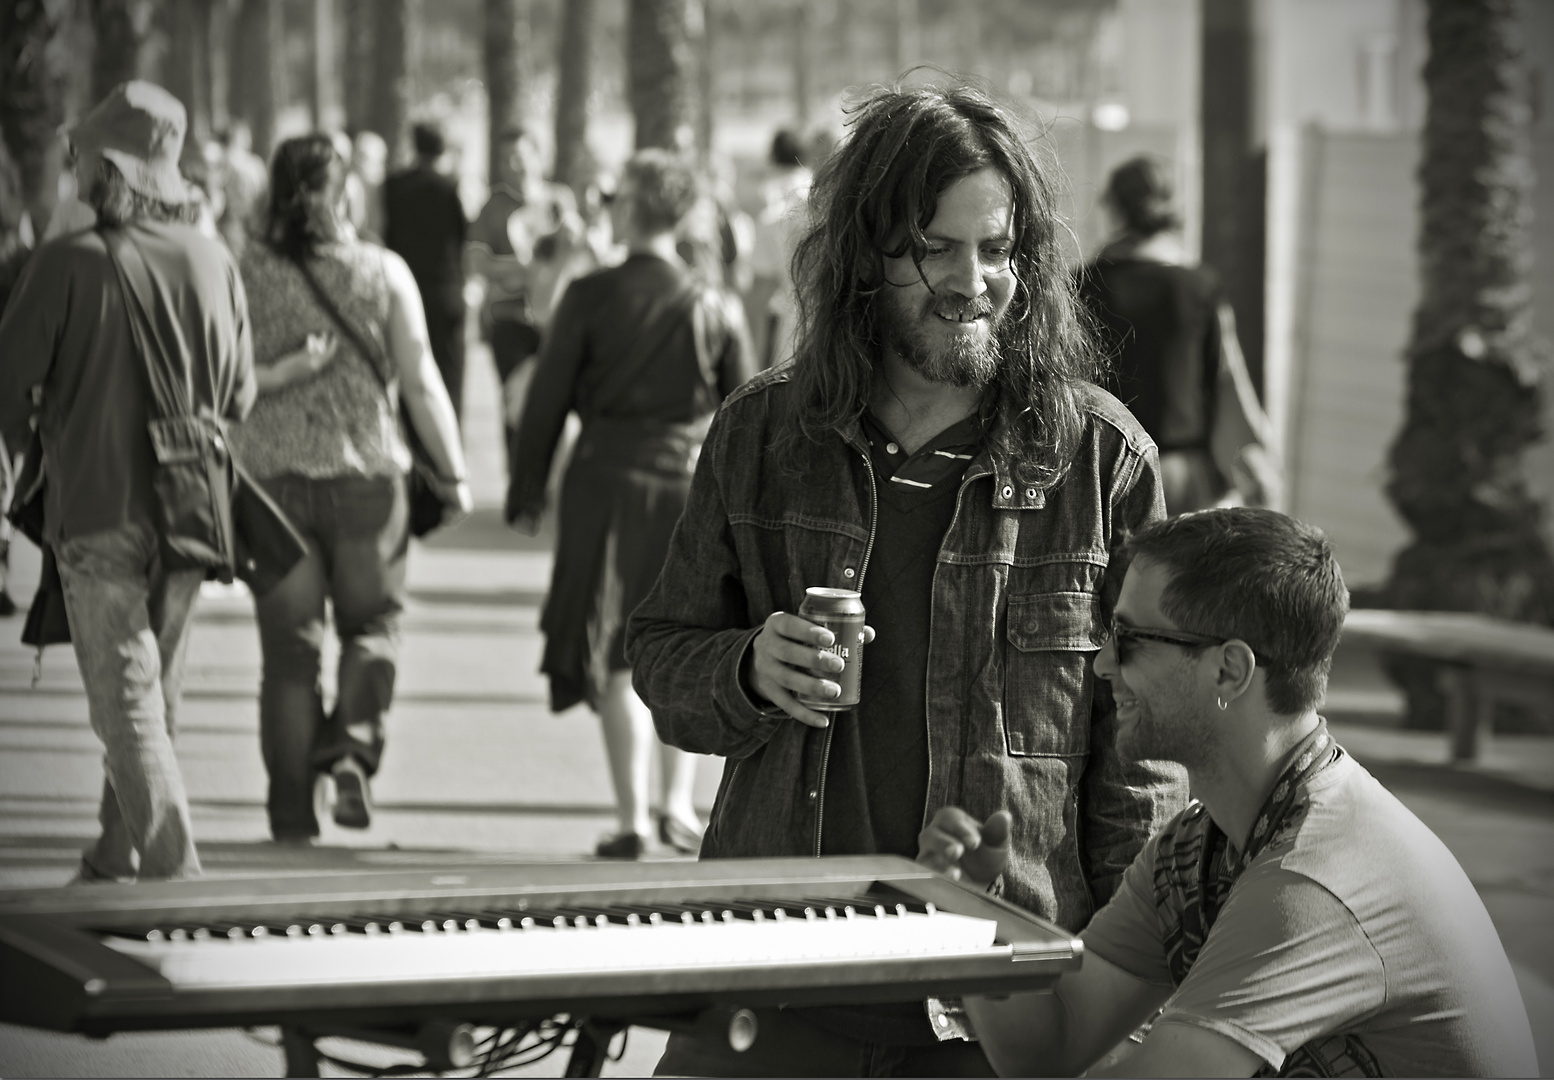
841, 612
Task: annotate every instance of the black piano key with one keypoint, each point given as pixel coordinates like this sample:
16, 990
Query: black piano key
547, 918
453, 921
226, 931
489, 920
365, 924
645, 914
751, 911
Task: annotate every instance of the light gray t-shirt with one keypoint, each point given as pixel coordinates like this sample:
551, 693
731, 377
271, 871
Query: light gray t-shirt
1354, 943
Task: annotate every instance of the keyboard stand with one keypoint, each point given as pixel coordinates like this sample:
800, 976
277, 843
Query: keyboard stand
444, 1045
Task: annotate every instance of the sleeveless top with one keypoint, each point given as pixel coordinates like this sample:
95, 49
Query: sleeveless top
339, 422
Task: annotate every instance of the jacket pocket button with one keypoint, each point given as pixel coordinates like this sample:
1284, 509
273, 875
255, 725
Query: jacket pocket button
849, 573
813, 795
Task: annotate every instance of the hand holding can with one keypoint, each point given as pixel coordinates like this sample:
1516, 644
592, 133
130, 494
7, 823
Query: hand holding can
841, 612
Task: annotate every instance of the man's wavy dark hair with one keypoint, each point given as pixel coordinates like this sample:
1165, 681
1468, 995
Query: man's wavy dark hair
871, 200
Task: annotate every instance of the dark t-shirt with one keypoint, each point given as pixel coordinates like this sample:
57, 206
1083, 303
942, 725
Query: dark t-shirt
877, 775
423, 221
66, 329
1160, 325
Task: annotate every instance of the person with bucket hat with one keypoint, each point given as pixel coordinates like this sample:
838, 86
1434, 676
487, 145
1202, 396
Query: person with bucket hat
72, 326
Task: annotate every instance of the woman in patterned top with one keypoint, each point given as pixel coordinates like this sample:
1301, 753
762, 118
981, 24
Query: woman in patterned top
324, 440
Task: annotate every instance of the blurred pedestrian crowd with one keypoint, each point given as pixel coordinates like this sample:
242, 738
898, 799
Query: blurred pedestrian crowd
624, 308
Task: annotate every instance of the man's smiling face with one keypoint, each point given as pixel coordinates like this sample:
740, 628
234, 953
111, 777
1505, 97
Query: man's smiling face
1155, 685
946, 327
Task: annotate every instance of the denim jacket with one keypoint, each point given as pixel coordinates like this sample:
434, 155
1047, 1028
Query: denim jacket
1016, 717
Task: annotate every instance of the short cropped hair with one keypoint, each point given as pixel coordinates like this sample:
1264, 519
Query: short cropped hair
428, 139
1261, 576
1141, 193
664, 188
786, 149
118, 204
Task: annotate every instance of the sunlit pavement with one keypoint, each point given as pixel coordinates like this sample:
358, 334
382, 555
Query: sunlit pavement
477, 765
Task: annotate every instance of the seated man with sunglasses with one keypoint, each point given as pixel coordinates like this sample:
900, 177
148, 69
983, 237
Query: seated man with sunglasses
1296, 919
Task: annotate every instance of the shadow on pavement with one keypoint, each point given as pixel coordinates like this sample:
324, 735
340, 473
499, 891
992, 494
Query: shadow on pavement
484, 530
483, 598
61, 854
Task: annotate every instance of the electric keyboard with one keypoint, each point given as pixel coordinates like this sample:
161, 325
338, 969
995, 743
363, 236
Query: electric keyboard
489, 944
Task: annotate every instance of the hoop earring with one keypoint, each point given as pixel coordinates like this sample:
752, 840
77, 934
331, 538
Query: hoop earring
1222, 703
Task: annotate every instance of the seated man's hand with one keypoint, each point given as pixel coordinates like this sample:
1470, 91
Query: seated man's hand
789, 657
956, 844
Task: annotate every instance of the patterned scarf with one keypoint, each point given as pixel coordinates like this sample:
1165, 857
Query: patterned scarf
1196, 877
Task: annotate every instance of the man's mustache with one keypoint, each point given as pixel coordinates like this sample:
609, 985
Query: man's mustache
963, 307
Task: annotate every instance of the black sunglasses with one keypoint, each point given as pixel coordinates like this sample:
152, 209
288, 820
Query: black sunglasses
1121, 633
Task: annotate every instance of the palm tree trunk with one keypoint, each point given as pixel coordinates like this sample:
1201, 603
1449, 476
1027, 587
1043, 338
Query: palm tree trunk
507, 36
34, 79
660, 72
574, 84
1473, 372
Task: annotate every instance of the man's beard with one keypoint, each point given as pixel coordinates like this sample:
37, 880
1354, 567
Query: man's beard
1169, 730
970, 360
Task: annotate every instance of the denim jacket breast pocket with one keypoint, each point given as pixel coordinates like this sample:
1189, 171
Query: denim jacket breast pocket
1052, 637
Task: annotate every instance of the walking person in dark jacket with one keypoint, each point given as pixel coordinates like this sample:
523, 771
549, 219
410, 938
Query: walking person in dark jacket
938, 445
67, 328
1176, 362
644, 352
423, 223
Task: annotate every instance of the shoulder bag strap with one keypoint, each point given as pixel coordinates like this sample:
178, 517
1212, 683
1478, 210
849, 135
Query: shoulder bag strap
169, 390
375, 359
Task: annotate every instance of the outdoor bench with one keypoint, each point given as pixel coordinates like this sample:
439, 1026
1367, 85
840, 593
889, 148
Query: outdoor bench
1481, 661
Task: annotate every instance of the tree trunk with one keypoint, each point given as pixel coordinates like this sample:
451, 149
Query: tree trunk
574, 86
125, 43
909, 36
186, 74
34, 79
218, 46
361, 66
325, 81
706, 76
803, 55
507, 34
260, 88
1473, 365
660, 72
392, 82
1234, 170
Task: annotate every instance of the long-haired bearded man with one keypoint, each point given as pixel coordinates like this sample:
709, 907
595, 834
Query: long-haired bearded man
938, 444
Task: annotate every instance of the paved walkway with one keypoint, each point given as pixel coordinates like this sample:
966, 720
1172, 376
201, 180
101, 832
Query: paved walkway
477, 763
